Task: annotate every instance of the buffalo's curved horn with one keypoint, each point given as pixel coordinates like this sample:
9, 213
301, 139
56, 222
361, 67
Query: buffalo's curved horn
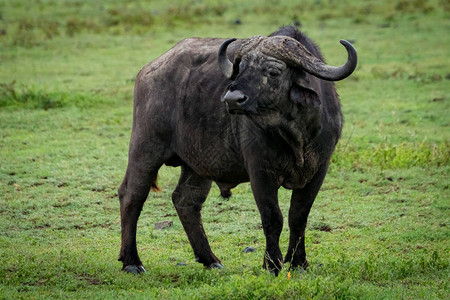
327, 72
291, 51
226, 66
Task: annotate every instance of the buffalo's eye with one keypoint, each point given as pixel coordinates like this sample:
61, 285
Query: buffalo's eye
274, 73
273, 68
242, 65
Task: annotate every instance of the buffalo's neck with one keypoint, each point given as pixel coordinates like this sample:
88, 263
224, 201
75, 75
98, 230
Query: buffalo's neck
286, 145
294, 138
300, 134
299, 130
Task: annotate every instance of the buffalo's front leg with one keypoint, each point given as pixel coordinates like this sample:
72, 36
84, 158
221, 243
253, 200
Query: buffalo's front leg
301, 202
188, 199
265, 191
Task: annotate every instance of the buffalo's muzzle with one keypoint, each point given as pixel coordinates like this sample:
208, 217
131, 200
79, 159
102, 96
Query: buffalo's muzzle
235, 101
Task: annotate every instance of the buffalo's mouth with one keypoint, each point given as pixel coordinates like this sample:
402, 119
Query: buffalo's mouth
242, 110
236, 111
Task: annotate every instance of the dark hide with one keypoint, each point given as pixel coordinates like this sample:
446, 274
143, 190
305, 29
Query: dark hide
284, 135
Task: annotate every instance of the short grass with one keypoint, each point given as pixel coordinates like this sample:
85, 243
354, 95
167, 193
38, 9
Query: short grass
378, 229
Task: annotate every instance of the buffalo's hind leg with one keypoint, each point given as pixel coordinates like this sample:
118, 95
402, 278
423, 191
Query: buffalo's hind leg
301, 202
188, 199
140, 176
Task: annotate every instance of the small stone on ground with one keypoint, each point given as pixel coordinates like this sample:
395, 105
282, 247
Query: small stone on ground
248, 250
163, 225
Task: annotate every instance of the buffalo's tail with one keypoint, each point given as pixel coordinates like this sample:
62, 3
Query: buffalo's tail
155, 187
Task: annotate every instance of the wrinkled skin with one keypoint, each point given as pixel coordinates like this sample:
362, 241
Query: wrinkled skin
281, 132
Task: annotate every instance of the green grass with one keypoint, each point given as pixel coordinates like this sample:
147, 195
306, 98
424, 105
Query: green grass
378, 229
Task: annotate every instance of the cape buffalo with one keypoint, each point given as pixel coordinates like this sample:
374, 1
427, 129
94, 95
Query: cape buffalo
262, 109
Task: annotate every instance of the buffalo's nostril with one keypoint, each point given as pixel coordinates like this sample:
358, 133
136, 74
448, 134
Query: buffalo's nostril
242, 100
235, 101
235, 96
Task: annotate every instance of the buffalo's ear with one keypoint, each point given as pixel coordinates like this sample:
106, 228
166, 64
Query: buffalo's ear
303, 93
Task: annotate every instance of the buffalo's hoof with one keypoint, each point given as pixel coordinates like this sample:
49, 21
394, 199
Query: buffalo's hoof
302, 266
272, 268
133, 269
215, 265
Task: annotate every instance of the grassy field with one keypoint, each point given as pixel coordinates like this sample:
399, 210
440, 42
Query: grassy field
378, 229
